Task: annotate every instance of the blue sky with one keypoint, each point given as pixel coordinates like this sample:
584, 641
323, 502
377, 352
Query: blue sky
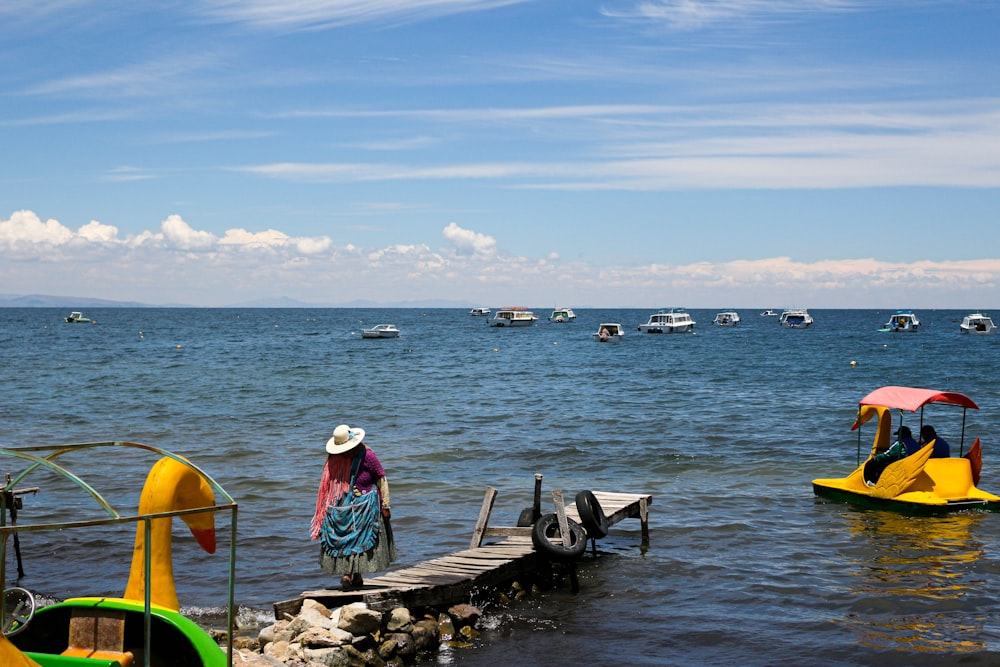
642, 153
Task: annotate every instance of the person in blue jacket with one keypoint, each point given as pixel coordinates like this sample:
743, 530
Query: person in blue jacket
942, 449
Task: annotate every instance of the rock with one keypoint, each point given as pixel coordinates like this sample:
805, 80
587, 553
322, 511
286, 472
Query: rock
316, 615
426, 635
331, 657
400, 620
403, 644
319, 638
359, 620
464, 614
248, 659
245, 643
446, 627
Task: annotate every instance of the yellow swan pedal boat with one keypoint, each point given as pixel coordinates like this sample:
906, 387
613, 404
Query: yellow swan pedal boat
918, 483
143, 627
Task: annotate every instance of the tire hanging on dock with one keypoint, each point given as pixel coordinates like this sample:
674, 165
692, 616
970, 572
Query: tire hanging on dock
591, 515
545, 536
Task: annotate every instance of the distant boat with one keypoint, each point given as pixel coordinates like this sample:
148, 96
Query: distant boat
77, 317
795, 318
727, 318
977, 323
381, 331
513, 316
562, 315
769, 313
675, 320
482, 310
609, 332
902, 321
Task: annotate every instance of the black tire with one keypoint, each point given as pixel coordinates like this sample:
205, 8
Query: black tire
591, 515
545, 537
528, 517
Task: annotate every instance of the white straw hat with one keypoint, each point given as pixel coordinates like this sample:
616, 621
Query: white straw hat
344, 439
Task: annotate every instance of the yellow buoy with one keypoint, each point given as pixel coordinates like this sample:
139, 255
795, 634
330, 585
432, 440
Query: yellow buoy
854, 363
178, 347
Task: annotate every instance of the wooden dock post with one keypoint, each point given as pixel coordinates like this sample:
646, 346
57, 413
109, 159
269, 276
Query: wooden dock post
484, 518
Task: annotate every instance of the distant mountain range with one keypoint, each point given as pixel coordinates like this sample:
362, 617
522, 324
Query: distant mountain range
76, 302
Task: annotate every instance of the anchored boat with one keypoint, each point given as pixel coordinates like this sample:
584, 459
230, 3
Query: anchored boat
144, 626
918, 483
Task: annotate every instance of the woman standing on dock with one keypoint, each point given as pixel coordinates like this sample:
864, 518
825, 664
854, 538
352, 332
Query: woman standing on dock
352, 510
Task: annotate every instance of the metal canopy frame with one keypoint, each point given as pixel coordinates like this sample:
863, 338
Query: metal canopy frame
44, 456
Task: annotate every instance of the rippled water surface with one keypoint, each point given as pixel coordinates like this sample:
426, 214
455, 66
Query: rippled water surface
725, 428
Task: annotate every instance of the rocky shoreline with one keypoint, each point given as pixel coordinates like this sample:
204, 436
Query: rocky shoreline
354, 635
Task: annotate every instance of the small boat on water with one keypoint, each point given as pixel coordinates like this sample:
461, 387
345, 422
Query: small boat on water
674, 320
726, 318
480, 311
77, 317
609, 332
977, 324
562, 315
769, 313
144, 626
917, 483
381, 331
795, 318
902, 321
513, 316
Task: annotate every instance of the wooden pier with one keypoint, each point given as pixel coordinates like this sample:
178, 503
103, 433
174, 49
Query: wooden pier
486, 563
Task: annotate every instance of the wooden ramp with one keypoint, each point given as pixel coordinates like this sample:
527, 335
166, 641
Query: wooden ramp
452, 579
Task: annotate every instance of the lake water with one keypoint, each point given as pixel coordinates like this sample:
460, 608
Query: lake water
725, 428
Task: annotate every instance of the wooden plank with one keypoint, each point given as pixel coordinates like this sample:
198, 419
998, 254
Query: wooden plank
484, 517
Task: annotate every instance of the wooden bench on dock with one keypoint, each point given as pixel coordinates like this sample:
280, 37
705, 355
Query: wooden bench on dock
452, 579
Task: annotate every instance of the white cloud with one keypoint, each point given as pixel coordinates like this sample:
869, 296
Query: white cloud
271, 237
466, 241
97, 232
27, 227
245, 265
180, 234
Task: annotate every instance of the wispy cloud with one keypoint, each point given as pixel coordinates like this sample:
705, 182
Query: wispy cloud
746, 146
322, 14
693, 14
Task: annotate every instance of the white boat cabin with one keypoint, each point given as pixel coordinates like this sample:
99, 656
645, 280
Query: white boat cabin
977, 323
675, 320
513, 317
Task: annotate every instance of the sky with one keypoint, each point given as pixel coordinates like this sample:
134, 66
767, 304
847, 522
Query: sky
581, 153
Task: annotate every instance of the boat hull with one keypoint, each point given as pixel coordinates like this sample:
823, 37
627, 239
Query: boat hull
175, 640
686, 327
929, 487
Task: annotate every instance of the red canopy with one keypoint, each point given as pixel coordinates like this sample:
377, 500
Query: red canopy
912, 399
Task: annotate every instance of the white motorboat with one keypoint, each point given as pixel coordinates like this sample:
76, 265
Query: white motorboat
675, 320
769, 313
480, 311
78, 318
902, 321
381, 331
513, 316
727, 318
609, 332
978, 324
795, 318
562, 315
